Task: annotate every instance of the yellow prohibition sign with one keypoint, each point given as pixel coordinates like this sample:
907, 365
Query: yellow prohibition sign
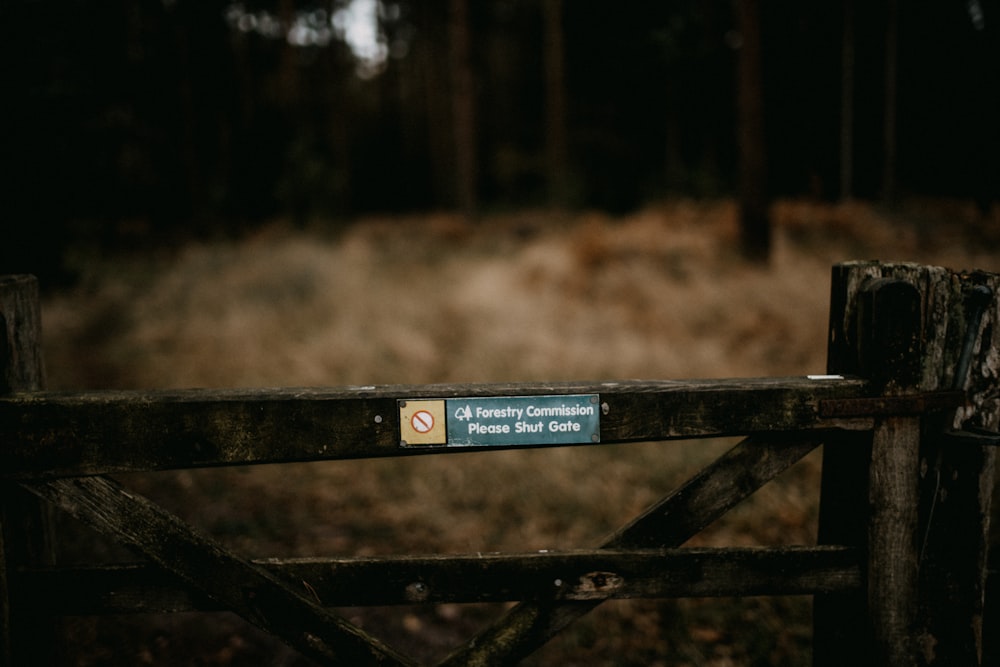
422, 423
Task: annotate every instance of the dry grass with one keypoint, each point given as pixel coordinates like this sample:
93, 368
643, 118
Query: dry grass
658, 294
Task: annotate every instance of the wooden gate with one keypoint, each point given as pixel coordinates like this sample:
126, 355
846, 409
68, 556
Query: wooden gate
907, 415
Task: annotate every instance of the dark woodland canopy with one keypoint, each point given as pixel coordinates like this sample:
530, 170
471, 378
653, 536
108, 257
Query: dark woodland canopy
181, 116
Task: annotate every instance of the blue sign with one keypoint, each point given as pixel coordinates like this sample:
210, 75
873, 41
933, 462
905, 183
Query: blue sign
523, 420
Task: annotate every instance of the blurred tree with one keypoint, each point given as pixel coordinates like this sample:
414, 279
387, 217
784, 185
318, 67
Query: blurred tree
889, 138
432, 98
463, 109
694, 40
847, 103
556, 155
755, 222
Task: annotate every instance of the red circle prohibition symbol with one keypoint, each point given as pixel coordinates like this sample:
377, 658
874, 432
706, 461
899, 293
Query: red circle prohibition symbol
422, 421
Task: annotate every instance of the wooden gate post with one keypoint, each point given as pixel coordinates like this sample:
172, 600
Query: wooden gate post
25, 523
942, 623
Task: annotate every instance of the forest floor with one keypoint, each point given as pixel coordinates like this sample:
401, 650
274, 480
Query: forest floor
528, 296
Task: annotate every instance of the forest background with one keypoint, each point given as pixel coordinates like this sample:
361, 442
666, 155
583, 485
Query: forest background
136, 122
220, 194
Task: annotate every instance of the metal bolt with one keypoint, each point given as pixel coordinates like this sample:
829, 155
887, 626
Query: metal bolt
417, 591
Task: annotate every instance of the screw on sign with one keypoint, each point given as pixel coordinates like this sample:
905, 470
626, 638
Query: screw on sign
422, 421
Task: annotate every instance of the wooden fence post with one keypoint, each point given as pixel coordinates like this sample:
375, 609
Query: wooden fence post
890, 312
25, 524
937, 621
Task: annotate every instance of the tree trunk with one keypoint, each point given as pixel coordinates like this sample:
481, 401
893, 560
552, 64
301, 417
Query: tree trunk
889, 126
556, 159
755, 223
463, 108
847, 104
431, 65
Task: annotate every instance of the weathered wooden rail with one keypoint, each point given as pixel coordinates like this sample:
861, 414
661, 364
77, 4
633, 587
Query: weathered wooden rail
906, 417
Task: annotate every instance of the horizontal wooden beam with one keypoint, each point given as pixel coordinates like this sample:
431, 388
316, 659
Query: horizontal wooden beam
570, 575
59, 434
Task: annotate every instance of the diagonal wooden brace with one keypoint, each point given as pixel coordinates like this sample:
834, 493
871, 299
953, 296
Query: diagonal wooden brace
674, 520
237, 584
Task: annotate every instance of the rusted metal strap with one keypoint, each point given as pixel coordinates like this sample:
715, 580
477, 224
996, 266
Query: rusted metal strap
879, 406
972, 435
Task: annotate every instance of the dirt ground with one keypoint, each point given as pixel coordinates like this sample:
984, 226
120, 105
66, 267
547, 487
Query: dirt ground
527, 296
